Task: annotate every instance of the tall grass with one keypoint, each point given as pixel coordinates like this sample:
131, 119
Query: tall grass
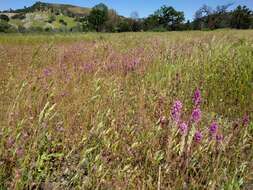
93, 111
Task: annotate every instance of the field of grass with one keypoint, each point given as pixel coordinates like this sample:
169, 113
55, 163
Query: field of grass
127, 111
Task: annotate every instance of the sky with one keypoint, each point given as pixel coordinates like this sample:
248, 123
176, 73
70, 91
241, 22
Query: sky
126, 7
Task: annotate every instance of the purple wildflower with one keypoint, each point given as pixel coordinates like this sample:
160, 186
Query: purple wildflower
47, 72
183, 127
176, 110
213, 128
197, 97
245, 120
196, 115
198, 137
219, 138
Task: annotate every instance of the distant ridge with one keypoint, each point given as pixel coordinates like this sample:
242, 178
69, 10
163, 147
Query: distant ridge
70, 10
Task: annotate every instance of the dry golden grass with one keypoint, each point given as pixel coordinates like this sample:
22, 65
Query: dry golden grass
93, 111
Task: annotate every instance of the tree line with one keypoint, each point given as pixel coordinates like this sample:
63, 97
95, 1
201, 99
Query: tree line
166, 18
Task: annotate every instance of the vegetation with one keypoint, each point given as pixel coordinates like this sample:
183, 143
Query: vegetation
98, 16
127, 111
102, 19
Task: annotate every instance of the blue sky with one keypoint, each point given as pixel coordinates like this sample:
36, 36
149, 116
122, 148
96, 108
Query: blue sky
126, 7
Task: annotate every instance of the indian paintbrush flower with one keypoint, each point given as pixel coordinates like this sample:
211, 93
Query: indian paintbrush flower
198, 136
183, 127
196, 115
176, 111
219, 138
245, 120
213, 128
197, 97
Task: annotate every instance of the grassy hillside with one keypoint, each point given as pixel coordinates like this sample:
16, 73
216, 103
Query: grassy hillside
41, 16
41, 20
40, 6
127, 111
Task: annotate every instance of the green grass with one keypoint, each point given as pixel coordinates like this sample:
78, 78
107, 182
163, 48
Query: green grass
70, 21
16, 22
83, 111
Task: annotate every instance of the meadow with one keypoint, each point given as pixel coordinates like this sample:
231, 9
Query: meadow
127, 111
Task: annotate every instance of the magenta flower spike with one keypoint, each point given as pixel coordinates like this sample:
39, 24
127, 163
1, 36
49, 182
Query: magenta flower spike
197, 97
196, 115
198, 137
183, 127
213, 128
176, 111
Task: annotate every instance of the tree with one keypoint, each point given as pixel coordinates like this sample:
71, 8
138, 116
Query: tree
222, 16
135, 22
151, 23
202, 18
169, 17
241, 18
124, 26
4, 18
112, 21
98, 16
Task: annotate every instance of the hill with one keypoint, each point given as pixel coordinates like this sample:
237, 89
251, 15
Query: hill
71, 10
51, 17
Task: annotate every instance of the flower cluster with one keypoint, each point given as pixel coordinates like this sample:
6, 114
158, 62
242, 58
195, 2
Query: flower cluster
213, 128
198, 136
183, 128
176, 111
196, 116
197, 97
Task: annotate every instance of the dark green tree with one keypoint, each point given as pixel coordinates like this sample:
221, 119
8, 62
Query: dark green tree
98, 16
241, 18
124, 26
170, 18
151, 23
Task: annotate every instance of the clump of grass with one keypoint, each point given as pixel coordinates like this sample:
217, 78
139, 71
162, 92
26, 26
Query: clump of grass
96, 112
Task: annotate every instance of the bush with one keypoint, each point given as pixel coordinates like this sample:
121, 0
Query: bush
7, 28
20, 16
63, 22
123, 26
4, 18
51, 19
21, 29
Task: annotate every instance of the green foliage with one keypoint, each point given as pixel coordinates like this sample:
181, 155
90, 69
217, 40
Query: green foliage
51, 19
98, 16
207, 18
63, 22
6, 27
4, 18
20, 16
124, 26
69, 18
242, 18
169, 18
